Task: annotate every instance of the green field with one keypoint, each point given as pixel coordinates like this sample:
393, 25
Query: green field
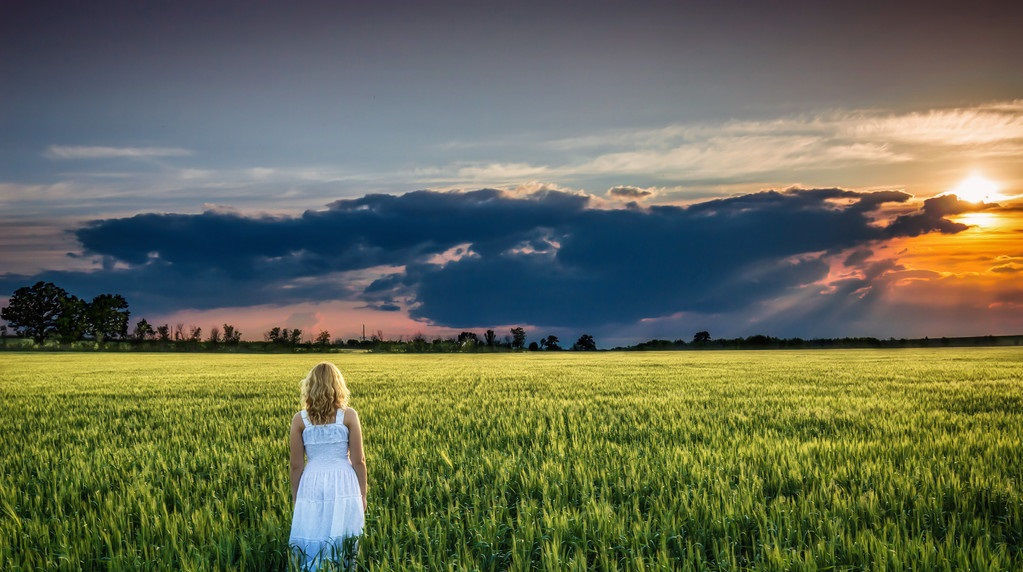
842, 459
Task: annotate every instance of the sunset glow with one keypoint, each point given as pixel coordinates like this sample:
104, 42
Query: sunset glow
983, 220
977, 189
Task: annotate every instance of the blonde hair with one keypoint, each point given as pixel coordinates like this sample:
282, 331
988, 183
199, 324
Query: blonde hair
323, 392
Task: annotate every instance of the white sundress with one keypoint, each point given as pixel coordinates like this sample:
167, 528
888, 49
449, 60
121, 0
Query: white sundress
328, 505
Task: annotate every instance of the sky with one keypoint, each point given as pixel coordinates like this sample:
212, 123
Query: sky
629, 170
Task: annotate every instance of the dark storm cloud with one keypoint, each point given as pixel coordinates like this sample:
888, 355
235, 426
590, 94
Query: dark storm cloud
932, 216
491, 257
350, 234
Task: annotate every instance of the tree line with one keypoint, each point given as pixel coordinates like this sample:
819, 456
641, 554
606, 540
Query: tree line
703, 341
46, 311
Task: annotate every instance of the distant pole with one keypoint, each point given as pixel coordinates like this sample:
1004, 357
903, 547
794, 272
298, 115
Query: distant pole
364, 332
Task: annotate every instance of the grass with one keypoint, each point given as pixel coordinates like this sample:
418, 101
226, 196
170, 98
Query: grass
830, 460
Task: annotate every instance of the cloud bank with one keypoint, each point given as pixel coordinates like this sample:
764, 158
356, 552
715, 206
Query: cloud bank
469, 259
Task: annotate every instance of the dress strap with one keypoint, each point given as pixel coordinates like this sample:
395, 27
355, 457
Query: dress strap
305, 417
339, 417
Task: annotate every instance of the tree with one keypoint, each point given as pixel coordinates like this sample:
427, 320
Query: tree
465, 338
73, 320
323, 339
214, 335
489, 337
195, 334
296, 337
518, 338
33, 310
550, 343
163, 333
533, 347
585, 343
231, 335
701, 337
108, 317
143, 330
759, 340
179, 332
273, 335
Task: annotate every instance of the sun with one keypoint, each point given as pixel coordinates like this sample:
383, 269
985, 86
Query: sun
976, 189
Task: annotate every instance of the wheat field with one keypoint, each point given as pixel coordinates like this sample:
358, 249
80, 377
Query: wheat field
715, 460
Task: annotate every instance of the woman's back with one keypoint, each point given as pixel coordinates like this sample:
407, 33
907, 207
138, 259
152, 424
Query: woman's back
328, 503
327, 472
326, 443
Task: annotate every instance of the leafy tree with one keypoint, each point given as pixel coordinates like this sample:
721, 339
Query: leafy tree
232, 335
550, 343
585, 343
323, 338
73, 320
34, 310
518, 338
214, 335
195, 334
533, 347
701, 337
179, 332
108, 317
759, 340
489, 338
296, 337
143, 330
468, 338
273, 335
163, 333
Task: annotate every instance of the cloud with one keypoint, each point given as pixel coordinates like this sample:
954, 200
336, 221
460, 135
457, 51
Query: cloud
738, 150
996, 122
858, 256
628, 192
501, 172
727, 156
932, 216
977, 125
99, 152
543, 257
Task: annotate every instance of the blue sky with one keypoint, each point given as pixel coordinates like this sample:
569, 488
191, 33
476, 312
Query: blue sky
111, 110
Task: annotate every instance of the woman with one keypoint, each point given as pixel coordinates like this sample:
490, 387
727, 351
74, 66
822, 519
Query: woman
329, 492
